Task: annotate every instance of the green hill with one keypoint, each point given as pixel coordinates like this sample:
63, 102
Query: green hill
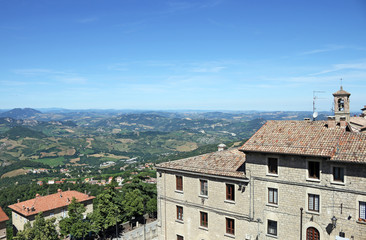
22, 132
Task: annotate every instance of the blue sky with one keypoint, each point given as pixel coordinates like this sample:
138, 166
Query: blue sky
209, 54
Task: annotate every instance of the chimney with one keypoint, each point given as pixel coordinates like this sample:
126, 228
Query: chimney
37, 195
343, 121
331, 122
221, 147
18, 200
59, 190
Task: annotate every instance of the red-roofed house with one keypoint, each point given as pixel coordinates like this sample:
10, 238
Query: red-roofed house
3, 219
53, 205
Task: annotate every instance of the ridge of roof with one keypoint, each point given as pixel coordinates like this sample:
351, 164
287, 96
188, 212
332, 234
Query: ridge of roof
48, 202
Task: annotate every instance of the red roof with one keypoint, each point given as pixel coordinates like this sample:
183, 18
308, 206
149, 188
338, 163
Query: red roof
49, 202
3, 216
314, 138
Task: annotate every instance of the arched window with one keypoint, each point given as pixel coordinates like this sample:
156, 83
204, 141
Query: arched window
340, 104
312, 234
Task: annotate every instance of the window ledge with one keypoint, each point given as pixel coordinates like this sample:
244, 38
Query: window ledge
179, 221
312, 212
203, 228
272, 174
338, 183
179, 191
272, 205
230, 201
317, 180
271, 236
229, 235
361, 222
203, 196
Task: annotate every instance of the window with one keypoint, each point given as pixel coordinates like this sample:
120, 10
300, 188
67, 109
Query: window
273, 165
179, 183
314, 170
179, 213
338, 174
272, 196
272, 228
179, 237
230, 193
312, 234
313, 202
203, 219
203, 187
363, 210
230, 226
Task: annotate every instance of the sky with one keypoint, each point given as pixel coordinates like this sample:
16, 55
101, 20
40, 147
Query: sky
267, 55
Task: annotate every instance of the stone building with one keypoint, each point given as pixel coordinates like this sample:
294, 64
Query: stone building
53, 205
3, 219
290, 180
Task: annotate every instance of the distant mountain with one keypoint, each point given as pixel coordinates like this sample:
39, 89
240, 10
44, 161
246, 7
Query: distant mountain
20, 113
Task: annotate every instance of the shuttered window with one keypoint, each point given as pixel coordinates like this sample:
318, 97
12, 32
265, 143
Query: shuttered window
272, 196
363, 210
179, 183
313, 202
230, 193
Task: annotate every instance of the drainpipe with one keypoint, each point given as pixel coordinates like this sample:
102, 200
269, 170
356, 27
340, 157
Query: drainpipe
301, 223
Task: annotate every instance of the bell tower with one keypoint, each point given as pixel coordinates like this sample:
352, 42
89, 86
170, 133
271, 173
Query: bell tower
341, 105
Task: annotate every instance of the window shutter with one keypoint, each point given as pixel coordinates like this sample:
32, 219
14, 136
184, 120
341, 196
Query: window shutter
275, 195
316, 207
311, 202
363, 210
270, 195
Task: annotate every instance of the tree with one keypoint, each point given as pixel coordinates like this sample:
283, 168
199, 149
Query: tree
107, 211
134, 203
42, 229
75, 224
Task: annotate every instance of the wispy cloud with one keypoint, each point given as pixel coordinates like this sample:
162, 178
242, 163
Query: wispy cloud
208, 70
73, 80
37, 71
342, 67
329, 48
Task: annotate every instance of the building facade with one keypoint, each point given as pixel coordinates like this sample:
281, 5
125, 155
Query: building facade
3, 219
53, 205
290, 180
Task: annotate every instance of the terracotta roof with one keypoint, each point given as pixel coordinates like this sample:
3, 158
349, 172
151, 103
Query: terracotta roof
49, 202
311, 138
3, 216
341, 92
224, 163
358, 121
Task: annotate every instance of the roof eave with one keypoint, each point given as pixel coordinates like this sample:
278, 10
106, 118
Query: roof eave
236, 179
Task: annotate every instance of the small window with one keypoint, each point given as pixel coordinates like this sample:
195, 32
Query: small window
179, 237
179, 183
362, 211
203, 219
273, 165
272, 228
230, 193
179, 213
313, 202
314, 169
272, 196
338, 174
230, 226
203, 187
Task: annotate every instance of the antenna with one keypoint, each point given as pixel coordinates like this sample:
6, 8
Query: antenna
315, 97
